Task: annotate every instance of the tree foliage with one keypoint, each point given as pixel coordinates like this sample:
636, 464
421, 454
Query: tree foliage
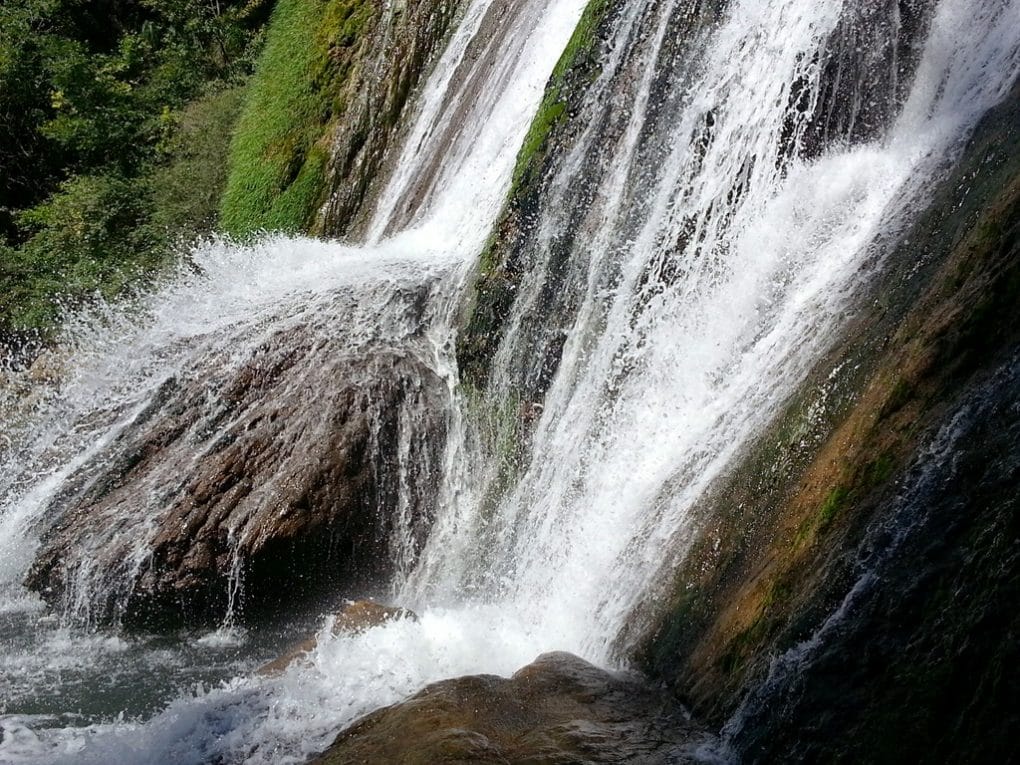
97, 98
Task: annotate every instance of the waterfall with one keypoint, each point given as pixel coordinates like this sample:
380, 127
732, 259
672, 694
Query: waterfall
722, 216
705, 285
453, 171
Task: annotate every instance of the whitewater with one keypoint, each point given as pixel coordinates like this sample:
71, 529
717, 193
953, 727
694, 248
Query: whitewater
708, 286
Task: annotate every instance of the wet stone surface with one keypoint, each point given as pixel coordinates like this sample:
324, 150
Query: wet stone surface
559, 709
248, 489
355, 617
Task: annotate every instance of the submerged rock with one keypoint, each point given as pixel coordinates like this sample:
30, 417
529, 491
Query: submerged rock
251, 488
355, 617
559, 709
361, 615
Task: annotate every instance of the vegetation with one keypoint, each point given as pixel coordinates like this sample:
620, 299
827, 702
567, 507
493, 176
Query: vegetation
115, 119
278, 156
833, 503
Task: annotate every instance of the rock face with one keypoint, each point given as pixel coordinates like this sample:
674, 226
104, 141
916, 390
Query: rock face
559, 709
390, 60
304, 468
851, 590
874, 44
852, 593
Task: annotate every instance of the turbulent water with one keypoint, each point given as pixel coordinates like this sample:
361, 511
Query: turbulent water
721, 245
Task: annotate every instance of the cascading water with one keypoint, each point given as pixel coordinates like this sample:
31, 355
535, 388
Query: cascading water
702, 306
228, 305
714, 264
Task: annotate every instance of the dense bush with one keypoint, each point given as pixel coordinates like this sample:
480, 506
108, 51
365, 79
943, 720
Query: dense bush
115, 117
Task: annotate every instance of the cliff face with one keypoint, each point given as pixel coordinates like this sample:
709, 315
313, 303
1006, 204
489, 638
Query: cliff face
846, 590
852, 586
557, 197
849, 588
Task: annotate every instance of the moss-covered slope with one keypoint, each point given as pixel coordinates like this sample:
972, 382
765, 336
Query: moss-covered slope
279, 150
326, 99
505, 259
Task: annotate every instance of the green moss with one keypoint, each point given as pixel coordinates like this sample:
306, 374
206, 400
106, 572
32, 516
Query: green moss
873, 474
187, 189
487, 260
831, 506
833, 503
279, 151
550, 112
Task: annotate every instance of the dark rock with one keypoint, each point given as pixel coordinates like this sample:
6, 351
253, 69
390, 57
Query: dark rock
560, 709
276, 480
866, 73
851, 592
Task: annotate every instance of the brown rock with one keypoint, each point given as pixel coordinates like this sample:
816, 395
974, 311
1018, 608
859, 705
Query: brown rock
560, 709
48, 368
361, 615
291, 655
278, 477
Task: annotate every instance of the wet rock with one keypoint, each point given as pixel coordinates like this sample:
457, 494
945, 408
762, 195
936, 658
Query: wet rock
851, 593
365, 614
394, 52
48, 368
355, 617
866, 71
290, 656
560, 709
250, 486
28, 377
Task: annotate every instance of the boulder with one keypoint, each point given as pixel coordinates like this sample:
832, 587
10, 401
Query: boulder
559, 709
248, 489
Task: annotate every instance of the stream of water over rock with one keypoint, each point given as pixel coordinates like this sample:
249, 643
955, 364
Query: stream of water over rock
720, 246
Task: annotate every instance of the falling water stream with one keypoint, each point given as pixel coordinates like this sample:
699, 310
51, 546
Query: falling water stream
717, 258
